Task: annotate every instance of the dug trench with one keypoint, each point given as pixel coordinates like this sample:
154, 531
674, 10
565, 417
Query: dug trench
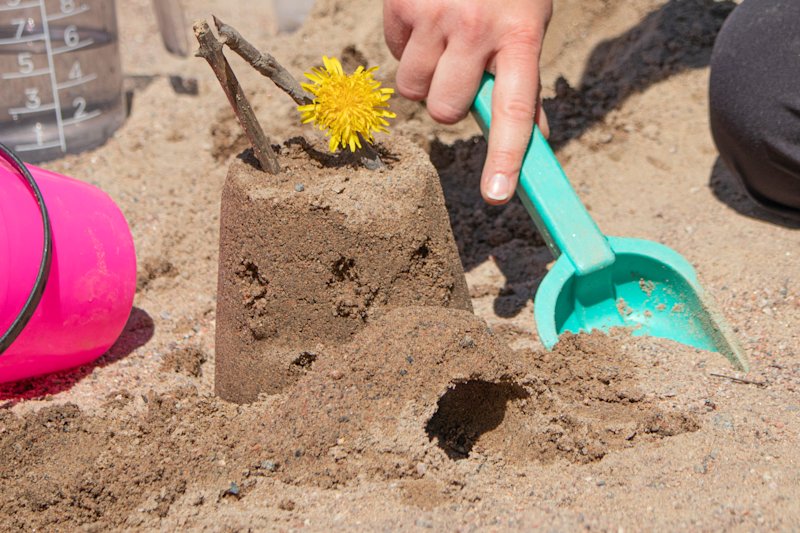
415, 394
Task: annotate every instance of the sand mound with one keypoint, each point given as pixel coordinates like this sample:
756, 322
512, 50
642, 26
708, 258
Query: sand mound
490, 438
417, 391
374, 398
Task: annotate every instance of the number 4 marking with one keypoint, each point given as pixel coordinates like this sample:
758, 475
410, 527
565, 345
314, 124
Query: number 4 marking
75, 73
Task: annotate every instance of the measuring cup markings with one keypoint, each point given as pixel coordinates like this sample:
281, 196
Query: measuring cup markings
76, 11
13, 5
55, 44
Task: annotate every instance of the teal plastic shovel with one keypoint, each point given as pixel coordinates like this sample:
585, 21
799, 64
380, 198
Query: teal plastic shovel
600, 282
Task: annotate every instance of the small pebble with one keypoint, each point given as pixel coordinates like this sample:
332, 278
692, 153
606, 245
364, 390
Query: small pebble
299, 187
467, 342
233, 490
269, 466
286, 505
723, 421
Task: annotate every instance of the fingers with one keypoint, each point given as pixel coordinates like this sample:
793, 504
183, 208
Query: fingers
418, 63
396, 29
515, 101
455, 82
417, 42
443, 47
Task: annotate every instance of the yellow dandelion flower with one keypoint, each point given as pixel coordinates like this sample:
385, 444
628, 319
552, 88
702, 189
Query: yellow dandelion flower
346, 105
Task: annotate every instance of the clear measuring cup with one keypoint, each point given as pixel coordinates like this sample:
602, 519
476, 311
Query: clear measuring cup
290, 14
60, 76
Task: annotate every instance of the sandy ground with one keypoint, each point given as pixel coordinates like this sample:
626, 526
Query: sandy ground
604, 434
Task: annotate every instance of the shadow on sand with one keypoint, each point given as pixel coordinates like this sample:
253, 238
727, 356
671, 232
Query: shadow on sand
678, 36
138, 330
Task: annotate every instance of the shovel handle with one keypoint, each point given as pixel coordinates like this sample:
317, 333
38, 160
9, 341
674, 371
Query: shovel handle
549, 198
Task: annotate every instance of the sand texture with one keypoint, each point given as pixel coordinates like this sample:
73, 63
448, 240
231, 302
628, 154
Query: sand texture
337, 245
422, 417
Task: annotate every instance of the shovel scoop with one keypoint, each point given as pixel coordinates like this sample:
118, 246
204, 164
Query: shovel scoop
600, 282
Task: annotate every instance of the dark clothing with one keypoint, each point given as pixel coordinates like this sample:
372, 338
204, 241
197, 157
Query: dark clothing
755, 100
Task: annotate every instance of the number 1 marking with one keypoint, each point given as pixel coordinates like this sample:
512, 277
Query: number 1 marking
53, 82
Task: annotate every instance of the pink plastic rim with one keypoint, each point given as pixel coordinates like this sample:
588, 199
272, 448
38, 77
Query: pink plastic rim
37, 291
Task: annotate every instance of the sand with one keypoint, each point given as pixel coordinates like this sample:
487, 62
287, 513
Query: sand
339, 246
431, 418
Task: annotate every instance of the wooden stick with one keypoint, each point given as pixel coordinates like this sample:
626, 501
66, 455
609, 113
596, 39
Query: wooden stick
211, 51
269, 67
262, 62
739, 380
368, 155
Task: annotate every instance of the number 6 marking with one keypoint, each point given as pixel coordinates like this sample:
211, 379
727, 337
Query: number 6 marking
71, 37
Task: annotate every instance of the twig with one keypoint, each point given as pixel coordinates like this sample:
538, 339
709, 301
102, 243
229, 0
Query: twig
368, 155
739, 380
211, 51
262, 62
269, 67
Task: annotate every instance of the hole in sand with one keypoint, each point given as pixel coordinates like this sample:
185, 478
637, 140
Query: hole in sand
305, 360
422, 252
344, 269
469, 410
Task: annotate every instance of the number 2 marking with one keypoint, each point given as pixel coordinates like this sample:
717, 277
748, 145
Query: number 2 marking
80, 107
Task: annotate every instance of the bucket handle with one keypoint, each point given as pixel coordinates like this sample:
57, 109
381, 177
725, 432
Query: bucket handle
35, 296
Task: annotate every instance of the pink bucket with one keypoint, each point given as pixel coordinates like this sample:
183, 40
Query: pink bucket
67, 271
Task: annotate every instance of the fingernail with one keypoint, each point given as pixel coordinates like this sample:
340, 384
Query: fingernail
498, 187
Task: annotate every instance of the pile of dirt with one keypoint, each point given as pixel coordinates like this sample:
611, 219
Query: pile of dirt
413, 394
596, 435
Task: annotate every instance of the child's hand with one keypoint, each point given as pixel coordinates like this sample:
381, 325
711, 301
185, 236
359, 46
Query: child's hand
444, 46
